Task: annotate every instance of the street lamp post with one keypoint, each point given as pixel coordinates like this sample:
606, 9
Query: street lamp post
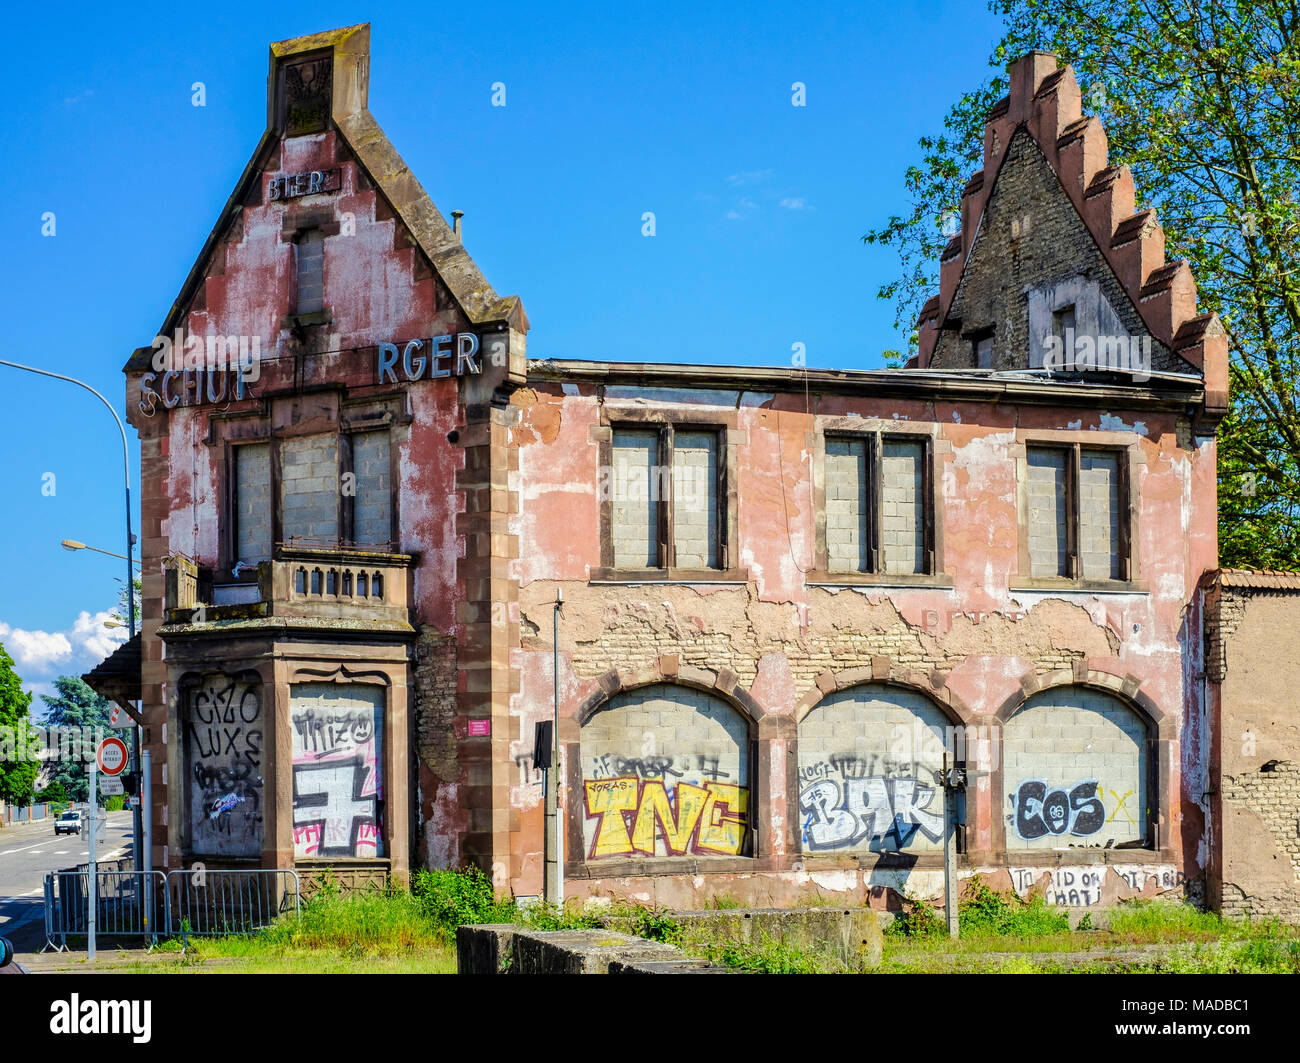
130, 567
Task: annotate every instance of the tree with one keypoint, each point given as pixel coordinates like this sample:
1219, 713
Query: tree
18, 768
82, 712
120, 614
1201, 98
54, 794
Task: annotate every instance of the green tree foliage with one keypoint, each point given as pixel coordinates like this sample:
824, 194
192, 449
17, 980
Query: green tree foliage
18, 770
84, 712
1201, 98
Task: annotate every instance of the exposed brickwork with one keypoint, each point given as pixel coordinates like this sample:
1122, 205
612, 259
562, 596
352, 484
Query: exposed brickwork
634, 533
902, 524
253, 501
310, 488
846, 504
1099, 538
434, 700
1064, 738
1273, 795
695, 500
1048, 547
372, 520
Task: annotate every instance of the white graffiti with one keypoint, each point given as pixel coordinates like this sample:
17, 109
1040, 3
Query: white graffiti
843, 814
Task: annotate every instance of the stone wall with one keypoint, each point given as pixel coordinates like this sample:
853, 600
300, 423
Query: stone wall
1250, 623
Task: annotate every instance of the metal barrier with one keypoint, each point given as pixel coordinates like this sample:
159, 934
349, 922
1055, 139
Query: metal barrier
219, 903
127, 904
149, 904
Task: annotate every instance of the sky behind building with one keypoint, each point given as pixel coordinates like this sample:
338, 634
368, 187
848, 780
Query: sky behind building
115, 175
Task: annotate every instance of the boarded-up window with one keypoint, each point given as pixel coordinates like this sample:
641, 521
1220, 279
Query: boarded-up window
879, 510
1077, 521
309, 489
868, 757
1099, 530
1075, 771
902, 521
224, 746
634, 492
848, 535
665, 772
309, 254
1049, 553
695, 500
252, 502
372, 501
338, 749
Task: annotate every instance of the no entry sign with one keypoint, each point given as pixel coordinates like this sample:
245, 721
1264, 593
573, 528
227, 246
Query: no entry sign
111, 756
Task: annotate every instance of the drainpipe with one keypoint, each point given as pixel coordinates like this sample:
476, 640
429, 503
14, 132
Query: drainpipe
554, 855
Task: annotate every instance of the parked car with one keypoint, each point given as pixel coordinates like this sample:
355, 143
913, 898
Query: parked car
68, 823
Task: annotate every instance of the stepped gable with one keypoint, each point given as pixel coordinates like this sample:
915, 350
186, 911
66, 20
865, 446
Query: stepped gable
1044, 105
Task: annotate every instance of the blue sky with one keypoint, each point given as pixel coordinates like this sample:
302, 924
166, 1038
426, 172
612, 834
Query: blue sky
611, 110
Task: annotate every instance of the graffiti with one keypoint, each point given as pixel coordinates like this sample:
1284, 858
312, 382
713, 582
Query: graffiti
1040, 810
337, 785
609, 766
223, 735
1071, 887
1121, 802
637, 815
333, 815
881, 810
1166, 876
324, 732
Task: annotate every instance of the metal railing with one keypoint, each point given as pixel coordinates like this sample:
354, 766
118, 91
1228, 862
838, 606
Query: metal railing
127, 904
222, 903
150, 904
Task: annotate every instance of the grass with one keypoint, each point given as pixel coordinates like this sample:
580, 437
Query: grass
406, 932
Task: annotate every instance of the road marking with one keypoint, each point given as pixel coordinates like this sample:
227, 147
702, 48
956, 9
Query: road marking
10, 852
62, 852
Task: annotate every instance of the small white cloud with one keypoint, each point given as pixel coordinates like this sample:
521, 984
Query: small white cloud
747, 203
733, 215
75, 650
794, 203
748, 177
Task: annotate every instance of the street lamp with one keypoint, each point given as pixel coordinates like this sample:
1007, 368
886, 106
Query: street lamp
72, 544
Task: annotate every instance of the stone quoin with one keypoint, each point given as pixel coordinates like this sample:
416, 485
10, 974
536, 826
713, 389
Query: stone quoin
791, 597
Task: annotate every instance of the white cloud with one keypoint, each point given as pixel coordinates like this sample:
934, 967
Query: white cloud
733, 215
794, 203
40, 655
748, 177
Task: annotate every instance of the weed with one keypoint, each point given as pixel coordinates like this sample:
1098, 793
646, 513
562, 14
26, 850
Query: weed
919, 918
983, 910
458, 898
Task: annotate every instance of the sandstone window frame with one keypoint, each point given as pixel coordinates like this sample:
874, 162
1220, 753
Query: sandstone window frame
1075, 445
666, 423
1159, 754
876, 432
329, 413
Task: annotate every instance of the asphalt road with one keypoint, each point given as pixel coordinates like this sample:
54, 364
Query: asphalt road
27, 852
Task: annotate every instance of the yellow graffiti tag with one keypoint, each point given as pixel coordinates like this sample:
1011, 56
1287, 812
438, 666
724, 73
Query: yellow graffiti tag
678, 828
609, 799
1119, 807
723, 826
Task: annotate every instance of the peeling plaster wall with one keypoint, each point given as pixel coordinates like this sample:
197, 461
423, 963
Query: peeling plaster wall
975, 646
1257, 750
377, 288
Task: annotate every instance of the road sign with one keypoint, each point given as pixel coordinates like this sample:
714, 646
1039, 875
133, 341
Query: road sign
111, 756
110, 786
118, 718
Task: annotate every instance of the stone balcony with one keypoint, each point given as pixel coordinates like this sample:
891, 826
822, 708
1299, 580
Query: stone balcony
335, 588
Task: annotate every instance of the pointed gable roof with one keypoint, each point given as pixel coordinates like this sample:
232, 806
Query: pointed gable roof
349, 51
1044, 101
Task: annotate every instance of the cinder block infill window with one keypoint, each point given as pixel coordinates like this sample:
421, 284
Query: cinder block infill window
662, 495
309, 258
1077, 520
879, 505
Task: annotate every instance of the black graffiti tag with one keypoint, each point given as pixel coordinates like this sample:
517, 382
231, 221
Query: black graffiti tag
1040, 811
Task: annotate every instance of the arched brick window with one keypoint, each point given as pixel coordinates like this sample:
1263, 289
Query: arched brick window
1076, 771
868, 758
665, 772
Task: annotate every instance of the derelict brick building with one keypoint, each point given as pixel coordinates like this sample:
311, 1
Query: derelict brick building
783, 589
